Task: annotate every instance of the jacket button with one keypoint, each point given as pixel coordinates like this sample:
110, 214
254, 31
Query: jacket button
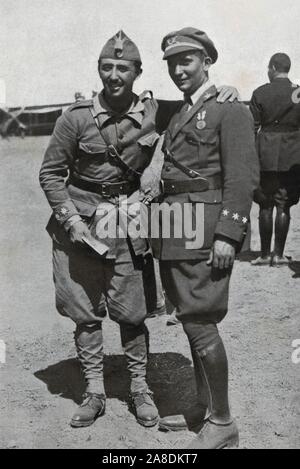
167, 168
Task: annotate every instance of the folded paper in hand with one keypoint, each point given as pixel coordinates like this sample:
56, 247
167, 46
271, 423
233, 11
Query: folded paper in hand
96, 245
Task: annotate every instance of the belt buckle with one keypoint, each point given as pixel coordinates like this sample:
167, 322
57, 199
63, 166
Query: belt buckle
112, 151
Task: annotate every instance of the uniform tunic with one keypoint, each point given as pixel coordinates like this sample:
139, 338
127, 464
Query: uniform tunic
223, 146
276, 110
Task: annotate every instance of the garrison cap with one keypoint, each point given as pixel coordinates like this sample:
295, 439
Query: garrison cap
120, 47
188, 39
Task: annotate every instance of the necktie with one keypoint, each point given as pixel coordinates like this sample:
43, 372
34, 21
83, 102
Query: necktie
188, 103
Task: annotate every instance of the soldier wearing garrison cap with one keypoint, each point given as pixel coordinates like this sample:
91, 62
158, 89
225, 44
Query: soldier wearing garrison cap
99, 156
211, 167
121, 47
102, 146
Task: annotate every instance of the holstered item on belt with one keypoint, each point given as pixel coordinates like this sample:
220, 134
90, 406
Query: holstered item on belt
107, 189
191, 185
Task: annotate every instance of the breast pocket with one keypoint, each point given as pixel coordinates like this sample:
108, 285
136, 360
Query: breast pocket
90, 155
204, 144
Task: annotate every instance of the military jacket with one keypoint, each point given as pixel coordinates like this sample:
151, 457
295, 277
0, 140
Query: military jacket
276, 110
78, 147
222, 144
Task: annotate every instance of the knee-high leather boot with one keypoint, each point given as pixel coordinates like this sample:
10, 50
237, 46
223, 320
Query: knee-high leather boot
220, 430
195, 415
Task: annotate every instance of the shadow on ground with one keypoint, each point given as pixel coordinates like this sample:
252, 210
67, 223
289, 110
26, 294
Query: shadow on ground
248, 256
295, 267
170, 376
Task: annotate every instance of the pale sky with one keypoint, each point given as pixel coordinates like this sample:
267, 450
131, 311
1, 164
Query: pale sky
50, 48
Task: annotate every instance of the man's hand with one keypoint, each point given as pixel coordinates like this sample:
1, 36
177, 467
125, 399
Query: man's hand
228, 93
150, 184
222, 255
77, 231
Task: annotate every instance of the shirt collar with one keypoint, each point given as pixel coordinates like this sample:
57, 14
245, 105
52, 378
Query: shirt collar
200, 91
282, 79
135, 112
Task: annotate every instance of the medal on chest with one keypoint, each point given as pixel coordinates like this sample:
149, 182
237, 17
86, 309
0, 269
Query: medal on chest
201, 124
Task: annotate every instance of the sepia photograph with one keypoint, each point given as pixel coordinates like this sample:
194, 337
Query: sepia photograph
149, 227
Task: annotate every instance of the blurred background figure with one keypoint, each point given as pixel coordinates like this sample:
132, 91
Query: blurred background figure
79, 96
277, 125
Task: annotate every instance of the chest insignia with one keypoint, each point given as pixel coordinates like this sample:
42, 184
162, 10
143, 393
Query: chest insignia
201, 124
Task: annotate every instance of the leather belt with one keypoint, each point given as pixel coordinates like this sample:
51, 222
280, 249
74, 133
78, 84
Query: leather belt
105, 188
191, 185
279, 128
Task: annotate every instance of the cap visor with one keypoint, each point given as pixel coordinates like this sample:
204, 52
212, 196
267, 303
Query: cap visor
178, 49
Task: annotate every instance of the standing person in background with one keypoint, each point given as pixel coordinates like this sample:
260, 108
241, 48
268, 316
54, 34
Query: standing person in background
277, 123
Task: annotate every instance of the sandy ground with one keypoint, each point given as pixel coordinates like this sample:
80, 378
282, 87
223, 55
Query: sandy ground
40, 382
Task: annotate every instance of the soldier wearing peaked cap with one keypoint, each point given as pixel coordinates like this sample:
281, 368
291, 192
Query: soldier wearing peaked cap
188, 39
99, 156
211, 167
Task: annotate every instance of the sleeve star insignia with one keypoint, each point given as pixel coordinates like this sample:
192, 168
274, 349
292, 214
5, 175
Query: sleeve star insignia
225, 213
61, 212
236, 216
245, 220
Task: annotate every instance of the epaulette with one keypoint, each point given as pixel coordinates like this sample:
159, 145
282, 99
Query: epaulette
81, 104
147, 94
